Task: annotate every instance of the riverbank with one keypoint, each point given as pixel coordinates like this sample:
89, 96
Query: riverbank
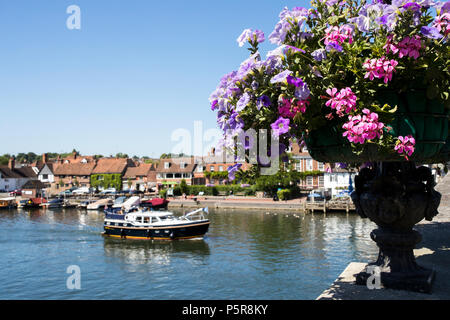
433, 252
236, 202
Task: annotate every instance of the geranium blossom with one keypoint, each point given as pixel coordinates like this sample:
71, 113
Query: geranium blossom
361, 128
442, 23
289, 109
405, 145
343, 101
407, 47
382, 68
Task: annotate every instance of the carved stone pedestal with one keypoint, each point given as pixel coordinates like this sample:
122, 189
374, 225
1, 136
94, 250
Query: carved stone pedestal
396, 196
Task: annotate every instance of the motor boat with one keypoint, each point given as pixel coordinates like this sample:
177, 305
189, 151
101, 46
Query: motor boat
100, 204
8, 203
156, 225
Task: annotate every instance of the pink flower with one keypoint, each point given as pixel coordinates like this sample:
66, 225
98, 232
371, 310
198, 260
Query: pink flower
338, 35
380, 68
289, 109
408, 47
342, 101
442, 23
405, 145
361, 128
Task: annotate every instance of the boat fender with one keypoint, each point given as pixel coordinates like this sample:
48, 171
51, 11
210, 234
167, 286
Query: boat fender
149, 233
122, 233
172, 235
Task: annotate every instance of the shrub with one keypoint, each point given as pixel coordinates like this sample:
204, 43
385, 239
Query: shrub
284, 194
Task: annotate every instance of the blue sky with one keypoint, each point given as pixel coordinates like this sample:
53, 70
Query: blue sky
136, 70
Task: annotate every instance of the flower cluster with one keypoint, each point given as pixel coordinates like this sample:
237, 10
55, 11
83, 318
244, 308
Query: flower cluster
381, 68
405, 145
343, 101
330, 65
361, 128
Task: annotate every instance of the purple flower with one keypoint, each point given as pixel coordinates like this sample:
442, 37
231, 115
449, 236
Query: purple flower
431, 32
280, 77
243, 102
232, 171
214, 105
279, 127
319, 54
412, 6
263, 101
302, 92
333, 46
297, 82
250, 36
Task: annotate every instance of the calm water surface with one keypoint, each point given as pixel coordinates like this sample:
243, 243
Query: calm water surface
245, 255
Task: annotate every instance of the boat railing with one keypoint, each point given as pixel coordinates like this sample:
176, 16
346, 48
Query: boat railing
196, 215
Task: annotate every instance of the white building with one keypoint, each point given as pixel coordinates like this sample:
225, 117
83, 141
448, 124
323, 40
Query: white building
338, 180
12, 178
46, 175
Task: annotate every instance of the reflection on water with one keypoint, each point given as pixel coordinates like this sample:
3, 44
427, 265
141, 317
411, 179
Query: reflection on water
245, 255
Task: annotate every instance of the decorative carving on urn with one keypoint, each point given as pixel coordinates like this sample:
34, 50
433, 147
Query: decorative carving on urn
396, 196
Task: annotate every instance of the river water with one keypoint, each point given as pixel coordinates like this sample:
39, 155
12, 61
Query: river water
245, 255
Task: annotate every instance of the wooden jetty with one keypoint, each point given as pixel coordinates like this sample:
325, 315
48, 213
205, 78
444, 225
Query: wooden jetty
345, 204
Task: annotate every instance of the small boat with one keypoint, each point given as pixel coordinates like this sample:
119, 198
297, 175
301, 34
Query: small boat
156, 225
155, 204
22, 203
35, 202
85, 203
8, 203
55, 203
100, 204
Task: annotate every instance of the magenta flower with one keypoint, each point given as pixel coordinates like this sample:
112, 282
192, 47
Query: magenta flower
405, 145
279, 127
361, 128
343, 101
337, 35
408, 47
289, 109
380, 68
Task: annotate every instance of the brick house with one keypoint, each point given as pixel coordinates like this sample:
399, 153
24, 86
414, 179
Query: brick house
109, 172
171, 172
68, 175
303, 162
141, 177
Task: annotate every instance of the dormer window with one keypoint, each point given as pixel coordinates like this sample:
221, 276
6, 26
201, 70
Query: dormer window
84, 161
183, 165
166, 165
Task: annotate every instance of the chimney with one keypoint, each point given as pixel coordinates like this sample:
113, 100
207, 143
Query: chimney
11, 163
213, 151
74, 154
44, 158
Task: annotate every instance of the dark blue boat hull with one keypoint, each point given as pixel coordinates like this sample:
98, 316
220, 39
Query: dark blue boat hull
127, 231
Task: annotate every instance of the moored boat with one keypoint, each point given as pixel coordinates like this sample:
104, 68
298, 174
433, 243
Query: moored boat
100, 204
156, 225
8, 203
34, 202
54, 203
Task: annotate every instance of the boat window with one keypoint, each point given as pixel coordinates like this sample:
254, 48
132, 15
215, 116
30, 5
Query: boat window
146, 219
139, 219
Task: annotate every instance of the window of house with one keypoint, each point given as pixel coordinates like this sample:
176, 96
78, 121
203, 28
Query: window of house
309, 164
297, 166
169, 175
220, 168
321, 181
177, 175
166, 165
211, 169
100, 178
45, 176
182, 165
199, 168
320, 166
309, 180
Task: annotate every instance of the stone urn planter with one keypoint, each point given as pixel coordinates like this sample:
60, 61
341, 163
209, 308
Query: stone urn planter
392, 193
